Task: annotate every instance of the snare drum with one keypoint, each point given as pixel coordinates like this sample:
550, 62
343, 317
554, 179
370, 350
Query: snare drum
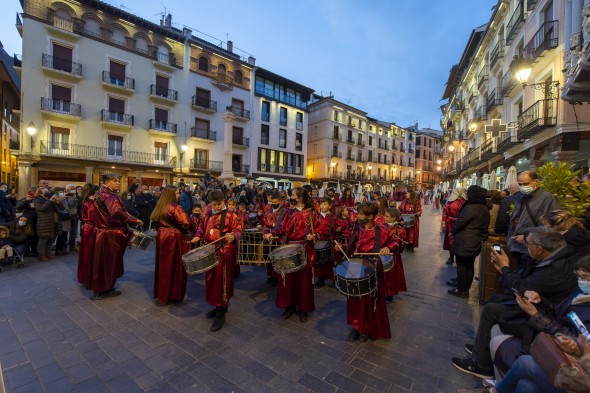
356, 278
289, 258
141, 240
386, 262
409, 220
200, 260
324, 254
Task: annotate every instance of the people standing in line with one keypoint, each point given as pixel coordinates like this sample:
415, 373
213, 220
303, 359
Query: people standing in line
144, 203
112, 237
219, 281
27, 206
506, 208
47, 206
470, 229
72, 200
411, 205
449, 216
87, 235
172, 242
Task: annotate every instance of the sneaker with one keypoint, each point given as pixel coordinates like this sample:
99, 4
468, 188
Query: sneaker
389, 299
488, 383
468, 365
468, 348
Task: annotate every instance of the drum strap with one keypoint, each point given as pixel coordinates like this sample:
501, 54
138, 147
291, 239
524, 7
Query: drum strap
281, 218
352, 238
377, 245
331, 223
221, 220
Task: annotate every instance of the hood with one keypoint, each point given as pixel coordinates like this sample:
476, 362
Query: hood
2, 227
577, 236
458, 192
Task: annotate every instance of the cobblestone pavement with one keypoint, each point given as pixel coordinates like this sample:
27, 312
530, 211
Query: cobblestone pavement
54, 339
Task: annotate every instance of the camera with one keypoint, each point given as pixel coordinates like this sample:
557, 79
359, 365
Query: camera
497, 248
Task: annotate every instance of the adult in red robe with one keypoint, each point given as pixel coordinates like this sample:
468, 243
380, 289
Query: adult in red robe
412, 205
112, 237
219, 281
367, 315
171, 244
449, 216
395, 279
295, 291
87, 235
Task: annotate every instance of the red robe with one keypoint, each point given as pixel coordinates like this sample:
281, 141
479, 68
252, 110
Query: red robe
269, 221
297, 287
86, 249
395, 279
219, 287
112, 238
449, 216
336, 203
171, 244
368, 314
409, 208
323, 231
348, 202
380, 220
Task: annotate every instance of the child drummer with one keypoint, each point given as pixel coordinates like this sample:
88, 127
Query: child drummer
326, 230
274, 215
395, 279
295, 292
367, 315
219, 282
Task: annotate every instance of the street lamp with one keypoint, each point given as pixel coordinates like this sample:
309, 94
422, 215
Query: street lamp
32, 130
439, 161
183, 149
472, 126
451, 148
333, 165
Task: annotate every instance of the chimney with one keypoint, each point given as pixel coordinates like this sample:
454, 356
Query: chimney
187, 33
169, 20
162, 21
230, 46
251, 60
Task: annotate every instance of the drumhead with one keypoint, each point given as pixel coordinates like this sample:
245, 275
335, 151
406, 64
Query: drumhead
286, 251
323, 245
201, 251
354, 269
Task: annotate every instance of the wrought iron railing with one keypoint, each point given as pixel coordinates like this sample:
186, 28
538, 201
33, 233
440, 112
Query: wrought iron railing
62, 107
241, 141
203, 133
197, 163
547, 37
161, 125
508, 83
240, 112
516, 20
205, 103
126, 82
481, 114
540, 115
241, 168
335, 154
493, 100
482, 77
164, 92
117, 118
497, 53
65, 65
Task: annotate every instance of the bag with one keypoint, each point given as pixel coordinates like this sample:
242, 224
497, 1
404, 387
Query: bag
64, 215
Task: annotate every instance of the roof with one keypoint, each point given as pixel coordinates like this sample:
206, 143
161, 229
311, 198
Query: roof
7, 62
306, 92
331, 98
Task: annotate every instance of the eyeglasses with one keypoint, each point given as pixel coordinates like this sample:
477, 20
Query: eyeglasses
526, 243
582, 276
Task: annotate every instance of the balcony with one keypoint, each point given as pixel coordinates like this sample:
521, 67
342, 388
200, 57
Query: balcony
481, 114
402, 149
111, 82
204, 105
163, 94
350, 140
61, 68
507, 138
19, 25
240, 113
206, 165
336, 155
61, 110
160, 127
516, 21
116, 120
542, 114
482, 77
460, 135
280, 96
488, 149
474, 157
473, 94
411, 150
508, 83
222, 81
104, 154
546, 38
457, 108
245, 169
203, 134
361, 143
493, 100
242, 142
497, 54
349, 157
337, 136
63, 27
165, 61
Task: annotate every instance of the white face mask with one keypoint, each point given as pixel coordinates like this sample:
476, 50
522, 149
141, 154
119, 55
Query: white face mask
526, 189
129, 197
22, 223
60, 194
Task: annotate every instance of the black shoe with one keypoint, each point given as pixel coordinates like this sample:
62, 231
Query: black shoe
288, 312
272, 281
331, 284
468, 348
354, 335
468, 365
320, 283
364, 338
107, 294
450, 261
452, 283
212, 314
303, 316
218, 322
456, 292
388, 299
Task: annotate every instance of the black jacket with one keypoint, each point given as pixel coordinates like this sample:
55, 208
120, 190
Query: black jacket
503, 219
578, 240
144, 204
470, 229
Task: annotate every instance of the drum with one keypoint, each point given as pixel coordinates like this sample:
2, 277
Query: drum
324, 254
356, 277
200, 260
387, 262
409, 220
142, 240
252, 219
289, 258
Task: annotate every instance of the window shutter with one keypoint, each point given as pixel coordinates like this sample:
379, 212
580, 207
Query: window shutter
117, 70
116, 105
61, 93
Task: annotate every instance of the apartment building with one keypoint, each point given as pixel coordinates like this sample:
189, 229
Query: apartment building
428, 157
346, 145
107, 91
493, 120
279, 124
9, 118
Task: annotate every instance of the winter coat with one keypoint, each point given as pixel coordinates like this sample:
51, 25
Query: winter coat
26, 206
18, 234
46, 217
470, 229
578, 239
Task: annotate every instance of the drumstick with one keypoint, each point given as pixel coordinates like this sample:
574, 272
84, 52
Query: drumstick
345, 256
370, 253
215, 241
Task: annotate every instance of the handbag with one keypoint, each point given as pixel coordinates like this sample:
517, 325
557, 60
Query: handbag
64, 215
553, 360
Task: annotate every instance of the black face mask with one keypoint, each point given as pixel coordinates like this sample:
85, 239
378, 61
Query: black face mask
293, 201
197, 214
47, 194
363, 222
275, 206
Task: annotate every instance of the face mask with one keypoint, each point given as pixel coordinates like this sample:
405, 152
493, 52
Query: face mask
293, 201
526, 189
4, 189
363, 222
22, 223
584, 286
128, 197
391, 224
197, 214
275, 206
146, 192
47, 194
60, 194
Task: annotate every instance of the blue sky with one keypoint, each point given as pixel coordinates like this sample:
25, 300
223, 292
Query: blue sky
390, 58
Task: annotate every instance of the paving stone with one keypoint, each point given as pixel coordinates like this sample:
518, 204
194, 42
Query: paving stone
123, 384
344, 383
20, 375
316, 384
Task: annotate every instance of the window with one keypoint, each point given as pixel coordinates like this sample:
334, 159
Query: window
116, 109
238, 136
236, 163
238, 77
298, 159
60, 140
161, 118
370, 141
201, 127
370, 156
264, 134
115, 147
201, 159
117, 73
203, 98
262, 159
335, 116
162, 85
221, 70
273, 160
299, 141
265, 111
61, 97
336, 132
161, 152
417, 153
315, 149
203, 64
430, 143
62, 58
299, 121
283, 119
282, 138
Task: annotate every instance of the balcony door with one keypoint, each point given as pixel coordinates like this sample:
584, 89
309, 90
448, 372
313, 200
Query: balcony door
203, 98
160, 153
117, 73
59, 141
238, 135
62, 58
61, 97
548, 107
115, 149
201, 128
162, 85
116, 109
201, 159
161, 117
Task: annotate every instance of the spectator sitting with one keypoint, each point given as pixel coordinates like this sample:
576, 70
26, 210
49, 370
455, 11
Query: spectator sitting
574, 233
21, 234
5, 246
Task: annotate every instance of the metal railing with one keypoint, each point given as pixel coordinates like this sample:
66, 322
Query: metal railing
222, 78
241, 141
544, 39
240, 112
481, 114
508, 83
487, 149
349, 157
63, 107
203, 133
410, 150
336, 136
65, 65
162, 125
482, 77
493, 100
126, 82
165, 58
516, 20
281, 97
164, 92
335, 154
540, 115
241, 168
205, 103
197, 163
497, 53
117, 118
104, 154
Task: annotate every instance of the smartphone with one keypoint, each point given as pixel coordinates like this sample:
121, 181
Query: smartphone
579, 324
497, 248
515, 291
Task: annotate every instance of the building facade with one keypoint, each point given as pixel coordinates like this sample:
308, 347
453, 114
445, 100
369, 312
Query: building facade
9, 118
492, 121
428, 157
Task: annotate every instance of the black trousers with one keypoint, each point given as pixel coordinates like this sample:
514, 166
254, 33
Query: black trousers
490, 316
465, 271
